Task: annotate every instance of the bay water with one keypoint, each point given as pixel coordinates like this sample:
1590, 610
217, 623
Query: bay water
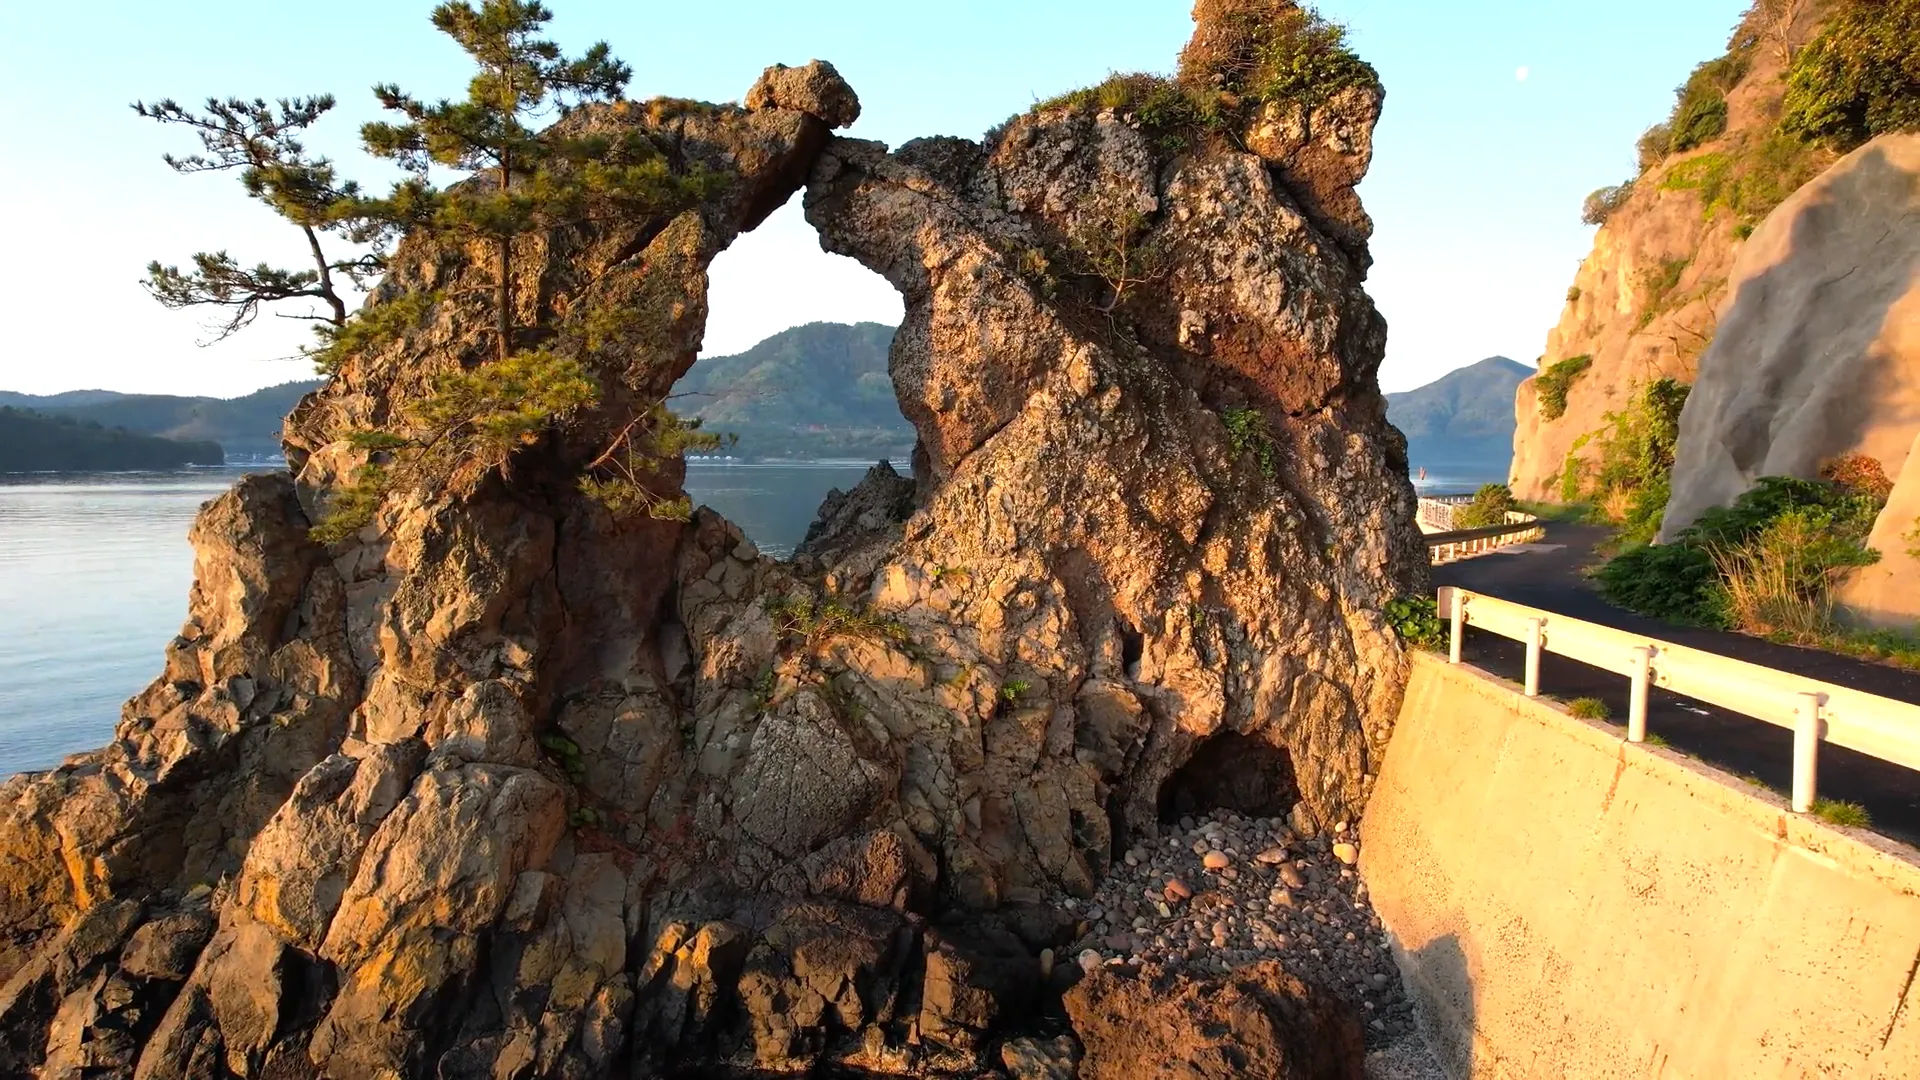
95, 569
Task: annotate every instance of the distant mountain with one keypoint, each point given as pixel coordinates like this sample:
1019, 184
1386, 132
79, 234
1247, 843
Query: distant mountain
244, 426
1462, 421
819, 390
39, 442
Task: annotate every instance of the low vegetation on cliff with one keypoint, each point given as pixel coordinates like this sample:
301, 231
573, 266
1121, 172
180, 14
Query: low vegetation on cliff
1769, 564
1858, 78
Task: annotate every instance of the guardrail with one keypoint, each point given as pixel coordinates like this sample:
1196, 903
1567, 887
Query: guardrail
1446, 547
1814, 711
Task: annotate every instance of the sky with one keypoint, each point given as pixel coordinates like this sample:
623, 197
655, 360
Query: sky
1500, 116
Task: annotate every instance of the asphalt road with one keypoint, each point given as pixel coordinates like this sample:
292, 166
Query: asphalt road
1554, 580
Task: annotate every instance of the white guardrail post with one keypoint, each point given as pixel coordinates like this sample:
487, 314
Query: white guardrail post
1637, 696
1806, 751
1457, 611
1536, 638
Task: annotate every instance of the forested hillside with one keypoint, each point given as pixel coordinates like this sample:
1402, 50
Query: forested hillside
819, 390
34, 442
244, 427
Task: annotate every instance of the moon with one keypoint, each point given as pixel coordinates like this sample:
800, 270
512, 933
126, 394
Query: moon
1521, 74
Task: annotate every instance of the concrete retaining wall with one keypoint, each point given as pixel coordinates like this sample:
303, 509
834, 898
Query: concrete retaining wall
1565, 904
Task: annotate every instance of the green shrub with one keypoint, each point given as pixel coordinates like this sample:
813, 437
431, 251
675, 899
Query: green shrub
1781, 582
817, 622
1858, 79
1552, 384
1489, 507
1635, 459
1573, 294
1766, 564
1247, 433
1602, 203
1657, 286
377, 324
1770, 498
1700, 108
1676, 582
1417, 620
1654, 146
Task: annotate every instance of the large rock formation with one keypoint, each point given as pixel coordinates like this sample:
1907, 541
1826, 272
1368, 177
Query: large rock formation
1818, 354
507, 786
1643, 304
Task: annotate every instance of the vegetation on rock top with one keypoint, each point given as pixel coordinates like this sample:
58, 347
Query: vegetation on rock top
1256, 53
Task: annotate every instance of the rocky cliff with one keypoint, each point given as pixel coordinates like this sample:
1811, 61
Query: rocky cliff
505, 785
1818, 356
1643, 305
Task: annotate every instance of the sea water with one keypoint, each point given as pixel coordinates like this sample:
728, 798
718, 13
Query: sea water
95, 569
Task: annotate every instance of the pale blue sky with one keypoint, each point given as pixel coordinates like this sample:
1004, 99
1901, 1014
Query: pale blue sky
1475, 190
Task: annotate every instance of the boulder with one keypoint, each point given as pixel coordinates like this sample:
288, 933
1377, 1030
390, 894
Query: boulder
977, 978
1258, 1023
1818, 350
816, 89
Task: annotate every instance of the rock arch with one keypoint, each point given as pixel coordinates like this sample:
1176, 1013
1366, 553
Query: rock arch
508, 783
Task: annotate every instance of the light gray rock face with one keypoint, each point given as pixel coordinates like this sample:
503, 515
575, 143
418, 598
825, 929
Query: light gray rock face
1818, 348
504, 786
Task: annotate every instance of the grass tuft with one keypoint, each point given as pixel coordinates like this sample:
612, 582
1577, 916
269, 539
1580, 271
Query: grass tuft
1849, 815
1589, 708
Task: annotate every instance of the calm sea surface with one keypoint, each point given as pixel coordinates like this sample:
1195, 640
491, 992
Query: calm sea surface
94, 573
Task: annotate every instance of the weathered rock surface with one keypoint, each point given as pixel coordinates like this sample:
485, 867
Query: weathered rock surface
1257, 1024
1818, 353
505, 786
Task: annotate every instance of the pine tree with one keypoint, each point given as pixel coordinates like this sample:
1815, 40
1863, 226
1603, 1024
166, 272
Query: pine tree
525, 182
261, 140
520, 75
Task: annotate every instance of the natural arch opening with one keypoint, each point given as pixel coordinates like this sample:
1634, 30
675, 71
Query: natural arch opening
795, 365
1231, 771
